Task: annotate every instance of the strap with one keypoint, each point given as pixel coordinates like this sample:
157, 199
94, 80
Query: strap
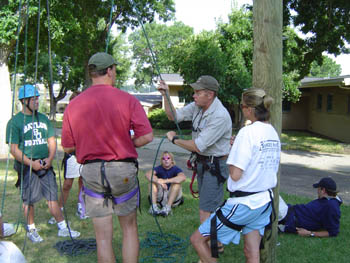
241, 193
194, 193
108, 190
116, 200
213, 230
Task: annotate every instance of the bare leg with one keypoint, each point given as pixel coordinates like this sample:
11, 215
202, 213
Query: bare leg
130, 238
200, 244
174, 192
29, 213
251, 246
104, 234
55, 210
203, 215
67, 185
154, 193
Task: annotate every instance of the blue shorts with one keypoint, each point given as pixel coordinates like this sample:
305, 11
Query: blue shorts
252, 219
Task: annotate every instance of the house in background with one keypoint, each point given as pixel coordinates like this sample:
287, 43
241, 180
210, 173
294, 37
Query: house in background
149, 101
176, 89
324, 108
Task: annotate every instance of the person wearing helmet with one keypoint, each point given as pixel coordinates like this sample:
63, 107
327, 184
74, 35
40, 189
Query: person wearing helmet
31, 138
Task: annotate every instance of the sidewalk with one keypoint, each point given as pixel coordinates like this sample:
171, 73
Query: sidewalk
299, 170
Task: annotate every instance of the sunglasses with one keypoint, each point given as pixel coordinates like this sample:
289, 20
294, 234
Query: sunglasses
166, 158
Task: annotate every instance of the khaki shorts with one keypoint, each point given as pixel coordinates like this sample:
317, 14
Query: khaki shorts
40, 187
163, 196
122, 177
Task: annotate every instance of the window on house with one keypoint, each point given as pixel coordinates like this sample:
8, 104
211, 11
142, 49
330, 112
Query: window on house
286, 106
329, 102
319, 102
181, 96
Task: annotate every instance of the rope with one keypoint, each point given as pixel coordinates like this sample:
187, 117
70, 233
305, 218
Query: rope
109, 26
155, 64
76, 247
173, 251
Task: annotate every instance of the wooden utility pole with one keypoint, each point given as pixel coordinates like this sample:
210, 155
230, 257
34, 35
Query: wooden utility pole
267, 74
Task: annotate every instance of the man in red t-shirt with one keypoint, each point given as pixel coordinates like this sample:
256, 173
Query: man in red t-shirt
97, 125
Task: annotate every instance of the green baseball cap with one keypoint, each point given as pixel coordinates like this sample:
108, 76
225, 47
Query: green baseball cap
206, 82
102, 60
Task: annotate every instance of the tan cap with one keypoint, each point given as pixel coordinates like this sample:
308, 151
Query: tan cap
102, 60
206, 82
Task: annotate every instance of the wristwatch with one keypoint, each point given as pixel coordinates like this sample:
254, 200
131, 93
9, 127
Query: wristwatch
312, 234
174, 138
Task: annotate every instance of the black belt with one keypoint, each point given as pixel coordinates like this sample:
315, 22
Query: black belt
241, 193
209, 158
126, 160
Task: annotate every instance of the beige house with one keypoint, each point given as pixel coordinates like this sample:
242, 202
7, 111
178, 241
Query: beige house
324, 108
176, 89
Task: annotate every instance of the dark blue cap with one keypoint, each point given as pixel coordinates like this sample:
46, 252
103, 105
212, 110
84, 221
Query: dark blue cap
327, 183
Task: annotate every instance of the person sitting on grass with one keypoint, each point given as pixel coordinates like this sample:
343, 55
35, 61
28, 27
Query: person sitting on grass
318, 218
166, 185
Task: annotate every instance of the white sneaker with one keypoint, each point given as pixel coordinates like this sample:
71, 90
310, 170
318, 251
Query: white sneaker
64, 232
52, 221
154, 210
34, 236
9, 229
166, 210
80, 213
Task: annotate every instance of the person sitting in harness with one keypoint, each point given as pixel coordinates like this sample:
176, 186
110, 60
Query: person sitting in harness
253, 164
166, 185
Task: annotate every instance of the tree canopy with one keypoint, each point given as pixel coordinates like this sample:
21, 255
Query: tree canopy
162, 38
325, 24
78, 30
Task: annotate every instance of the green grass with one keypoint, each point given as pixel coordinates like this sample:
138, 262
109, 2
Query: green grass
304, 141
181, 223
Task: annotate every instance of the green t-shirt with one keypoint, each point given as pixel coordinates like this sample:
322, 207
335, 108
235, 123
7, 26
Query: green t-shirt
22, 133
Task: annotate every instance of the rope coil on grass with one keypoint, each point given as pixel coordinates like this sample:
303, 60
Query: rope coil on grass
76, 247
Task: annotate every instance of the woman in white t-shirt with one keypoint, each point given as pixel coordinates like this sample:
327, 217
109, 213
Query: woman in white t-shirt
253, 164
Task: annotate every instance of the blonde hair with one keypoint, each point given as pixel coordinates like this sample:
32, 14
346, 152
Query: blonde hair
260, 101
168, 153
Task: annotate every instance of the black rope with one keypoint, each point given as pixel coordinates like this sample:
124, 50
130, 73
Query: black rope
76, 247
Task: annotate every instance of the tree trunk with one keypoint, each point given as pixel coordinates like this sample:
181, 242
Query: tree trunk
267, 74
5, 100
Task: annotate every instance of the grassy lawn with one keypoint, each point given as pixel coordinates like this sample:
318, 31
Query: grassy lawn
179, 226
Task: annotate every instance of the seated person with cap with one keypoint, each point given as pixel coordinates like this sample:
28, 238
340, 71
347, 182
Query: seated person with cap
166, 185
318, 218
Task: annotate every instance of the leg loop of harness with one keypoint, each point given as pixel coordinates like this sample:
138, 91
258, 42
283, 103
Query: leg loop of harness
213, 230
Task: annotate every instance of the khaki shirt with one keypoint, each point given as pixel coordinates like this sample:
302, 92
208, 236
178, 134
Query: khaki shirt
211, 130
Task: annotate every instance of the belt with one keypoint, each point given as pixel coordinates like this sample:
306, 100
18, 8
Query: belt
209, 158
126, 160
241, 193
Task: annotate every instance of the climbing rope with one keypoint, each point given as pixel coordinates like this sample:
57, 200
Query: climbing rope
164, 252
109, 25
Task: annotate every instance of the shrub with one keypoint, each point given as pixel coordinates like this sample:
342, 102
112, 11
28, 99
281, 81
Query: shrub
159, 120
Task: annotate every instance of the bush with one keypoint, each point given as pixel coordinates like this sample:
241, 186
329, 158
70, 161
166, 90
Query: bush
159, 120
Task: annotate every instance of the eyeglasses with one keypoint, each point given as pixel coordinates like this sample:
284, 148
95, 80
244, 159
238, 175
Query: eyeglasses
166, 158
